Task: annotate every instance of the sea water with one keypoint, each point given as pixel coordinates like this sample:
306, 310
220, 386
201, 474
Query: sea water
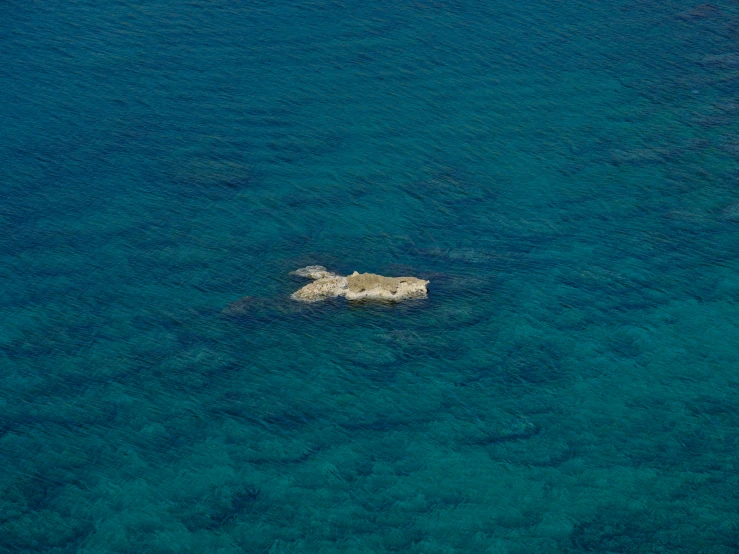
563, 173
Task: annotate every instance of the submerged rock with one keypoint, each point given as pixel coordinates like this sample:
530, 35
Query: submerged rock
240, 307
314, 272
518, 428
701, 11
250, 309
357, 286
732, 212
726, 61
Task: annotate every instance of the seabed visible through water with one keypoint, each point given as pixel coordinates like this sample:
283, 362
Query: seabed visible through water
565, 176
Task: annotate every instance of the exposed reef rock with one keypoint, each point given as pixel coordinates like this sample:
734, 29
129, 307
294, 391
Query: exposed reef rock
369, 285
320, 289
357, 286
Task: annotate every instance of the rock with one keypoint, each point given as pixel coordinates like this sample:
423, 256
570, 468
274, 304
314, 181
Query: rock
639, 156
314, 272
239, 307
519, 428
321, 289
726, 61
732, 212
702, 11
503, 431
256, 309
369, 285
358, 286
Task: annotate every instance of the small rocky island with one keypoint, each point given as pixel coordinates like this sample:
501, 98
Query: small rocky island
357, 286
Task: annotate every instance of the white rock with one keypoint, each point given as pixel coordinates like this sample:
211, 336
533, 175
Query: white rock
358, 286
320, 289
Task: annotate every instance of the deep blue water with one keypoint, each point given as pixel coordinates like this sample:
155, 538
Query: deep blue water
564, 173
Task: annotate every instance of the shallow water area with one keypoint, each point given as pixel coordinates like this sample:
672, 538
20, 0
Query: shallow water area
563, 174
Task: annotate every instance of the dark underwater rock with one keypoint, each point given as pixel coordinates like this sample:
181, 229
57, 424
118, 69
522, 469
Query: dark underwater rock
252, 308
515, 428
639, 156
243, 306
732, 212
701, 11
716, 120
726, 61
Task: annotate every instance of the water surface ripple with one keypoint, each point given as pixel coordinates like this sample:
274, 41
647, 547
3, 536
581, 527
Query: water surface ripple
565, 175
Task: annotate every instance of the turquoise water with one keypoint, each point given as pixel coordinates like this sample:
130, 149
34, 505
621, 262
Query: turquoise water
564, 173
